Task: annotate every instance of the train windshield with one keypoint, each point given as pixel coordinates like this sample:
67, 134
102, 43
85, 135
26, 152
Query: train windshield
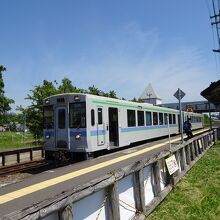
78, 115
48, 117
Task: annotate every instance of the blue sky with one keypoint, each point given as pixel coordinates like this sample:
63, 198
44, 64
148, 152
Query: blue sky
119, 45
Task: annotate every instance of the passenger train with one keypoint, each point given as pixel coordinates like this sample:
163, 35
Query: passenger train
77, 123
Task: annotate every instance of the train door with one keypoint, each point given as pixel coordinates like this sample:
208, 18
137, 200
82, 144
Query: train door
61, 127
113, 127
100, 127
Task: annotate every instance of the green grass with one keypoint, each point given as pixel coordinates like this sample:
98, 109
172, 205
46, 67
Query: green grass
197, 196
16, 140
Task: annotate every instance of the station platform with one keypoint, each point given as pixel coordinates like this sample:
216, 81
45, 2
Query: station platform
51, 183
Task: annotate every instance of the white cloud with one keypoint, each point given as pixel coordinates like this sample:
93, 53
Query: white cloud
129, 61
133, 59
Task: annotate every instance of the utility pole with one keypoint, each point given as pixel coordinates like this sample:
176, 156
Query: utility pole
215, 20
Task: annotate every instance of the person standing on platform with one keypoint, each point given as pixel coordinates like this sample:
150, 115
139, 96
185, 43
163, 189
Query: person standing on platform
187, 128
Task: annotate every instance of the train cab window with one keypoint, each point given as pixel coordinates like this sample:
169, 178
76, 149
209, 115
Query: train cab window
62, 118
148, 119
160, 118
165, 119
174, 119
155, 118
140, 118
92, 117
170, 119
100, 116
78, 115
48, 117
131, 118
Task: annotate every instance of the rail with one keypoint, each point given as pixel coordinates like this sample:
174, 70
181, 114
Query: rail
132, 192
21, 167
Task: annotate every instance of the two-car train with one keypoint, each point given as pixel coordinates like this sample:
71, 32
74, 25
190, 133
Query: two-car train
83, 123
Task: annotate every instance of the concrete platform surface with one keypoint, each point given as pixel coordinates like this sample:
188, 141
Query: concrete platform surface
51, 183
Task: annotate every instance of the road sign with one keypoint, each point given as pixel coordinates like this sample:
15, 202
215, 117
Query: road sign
179, 94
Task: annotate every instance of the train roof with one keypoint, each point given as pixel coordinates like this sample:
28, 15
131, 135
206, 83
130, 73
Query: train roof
108, 100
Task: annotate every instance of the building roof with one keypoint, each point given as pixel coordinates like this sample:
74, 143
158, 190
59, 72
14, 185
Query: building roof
212, 93
149, 93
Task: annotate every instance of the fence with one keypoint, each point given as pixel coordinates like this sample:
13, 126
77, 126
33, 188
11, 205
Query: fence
20, 155
132, 192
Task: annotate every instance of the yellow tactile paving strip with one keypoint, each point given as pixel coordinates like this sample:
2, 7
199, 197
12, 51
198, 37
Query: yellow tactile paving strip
51, 182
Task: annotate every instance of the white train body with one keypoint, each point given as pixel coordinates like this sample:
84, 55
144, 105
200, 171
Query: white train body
86, 123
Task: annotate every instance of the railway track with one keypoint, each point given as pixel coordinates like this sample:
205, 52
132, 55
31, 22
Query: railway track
22, 167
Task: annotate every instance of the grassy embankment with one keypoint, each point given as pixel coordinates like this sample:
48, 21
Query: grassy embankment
197, 196
16, 139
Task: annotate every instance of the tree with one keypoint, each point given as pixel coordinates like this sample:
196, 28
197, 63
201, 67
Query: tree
2, 85
94, 90
67, 87
137, 100
34, 112
4, 101
112, 94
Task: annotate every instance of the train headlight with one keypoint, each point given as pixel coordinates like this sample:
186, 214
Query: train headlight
78, 137
47, 101
76, 98
48, 136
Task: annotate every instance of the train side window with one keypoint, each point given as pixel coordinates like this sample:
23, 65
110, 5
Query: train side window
170, 119
131, 118
61, 118
161, 118
174, 119
92, 117
148, 119
155, 118
99, 116
140, 118
165, 119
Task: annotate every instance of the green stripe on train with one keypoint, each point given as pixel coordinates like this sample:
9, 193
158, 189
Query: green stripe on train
132, 106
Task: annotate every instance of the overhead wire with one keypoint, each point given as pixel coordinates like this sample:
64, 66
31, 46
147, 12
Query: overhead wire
217, 60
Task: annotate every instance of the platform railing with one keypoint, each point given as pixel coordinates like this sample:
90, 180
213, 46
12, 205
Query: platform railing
20, 155
132, 192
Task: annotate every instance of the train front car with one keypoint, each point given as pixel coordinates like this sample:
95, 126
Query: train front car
64, 129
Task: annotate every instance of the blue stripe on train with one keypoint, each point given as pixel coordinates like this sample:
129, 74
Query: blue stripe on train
99, 132
81, 132
145, 128
103, 132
